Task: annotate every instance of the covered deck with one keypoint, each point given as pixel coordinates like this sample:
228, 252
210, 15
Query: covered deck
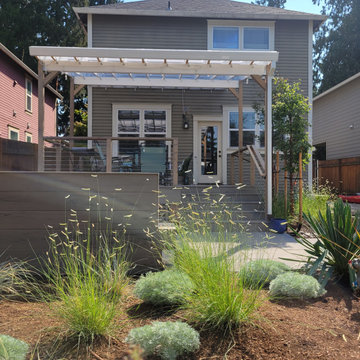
150, 68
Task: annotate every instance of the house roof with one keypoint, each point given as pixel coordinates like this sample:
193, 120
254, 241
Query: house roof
13, 57
216, 9
338, 86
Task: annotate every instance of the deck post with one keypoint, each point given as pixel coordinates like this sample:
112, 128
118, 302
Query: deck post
108, 155
268, 145
175, 155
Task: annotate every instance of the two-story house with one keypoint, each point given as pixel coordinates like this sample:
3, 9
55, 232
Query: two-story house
185, 70
18, 101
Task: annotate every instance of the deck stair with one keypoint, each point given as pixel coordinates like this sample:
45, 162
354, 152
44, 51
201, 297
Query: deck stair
244, 202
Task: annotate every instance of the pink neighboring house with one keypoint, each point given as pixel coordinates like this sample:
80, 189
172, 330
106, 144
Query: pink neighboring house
19, 101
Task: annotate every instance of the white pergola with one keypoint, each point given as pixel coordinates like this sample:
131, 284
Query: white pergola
201, 69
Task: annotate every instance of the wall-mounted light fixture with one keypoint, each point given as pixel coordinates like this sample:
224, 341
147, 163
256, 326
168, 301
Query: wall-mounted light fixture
185, 121
14, 113
15, 83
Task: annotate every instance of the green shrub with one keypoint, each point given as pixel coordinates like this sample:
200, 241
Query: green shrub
12, 349
163, 288
337, 232
295, 285
258, 273
166, 339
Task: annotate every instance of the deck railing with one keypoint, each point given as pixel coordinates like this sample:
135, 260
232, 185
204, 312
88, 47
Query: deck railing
114, 154
256, 162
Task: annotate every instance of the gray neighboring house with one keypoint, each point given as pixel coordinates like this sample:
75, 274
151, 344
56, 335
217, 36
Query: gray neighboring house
188, 59
336, 121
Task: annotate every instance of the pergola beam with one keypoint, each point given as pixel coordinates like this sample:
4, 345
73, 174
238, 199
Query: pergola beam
150, 82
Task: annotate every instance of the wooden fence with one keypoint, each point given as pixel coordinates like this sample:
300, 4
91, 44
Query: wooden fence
17, 156
33, 205
343, 174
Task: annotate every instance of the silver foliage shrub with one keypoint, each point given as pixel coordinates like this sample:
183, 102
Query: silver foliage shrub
295, 285
12, 349
258, 273
163, 288
169, 340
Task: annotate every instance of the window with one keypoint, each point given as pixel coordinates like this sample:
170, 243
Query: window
140, 120
13, 133
28, 137
28, 100
225, 38
256, 38
253, 132
240, 35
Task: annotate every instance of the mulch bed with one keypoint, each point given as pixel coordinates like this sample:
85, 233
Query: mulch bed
325, 328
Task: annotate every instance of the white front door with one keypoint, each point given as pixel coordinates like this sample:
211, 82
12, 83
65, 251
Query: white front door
207, 155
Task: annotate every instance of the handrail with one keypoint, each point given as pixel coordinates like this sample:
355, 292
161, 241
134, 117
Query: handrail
257, 159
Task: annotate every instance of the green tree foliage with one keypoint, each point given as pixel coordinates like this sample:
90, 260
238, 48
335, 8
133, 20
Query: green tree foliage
25, 23
290, 127
337, 44
272, 3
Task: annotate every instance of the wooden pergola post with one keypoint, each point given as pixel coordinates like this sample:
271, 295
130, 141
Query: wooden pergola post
239, 95
268, 144
240, 125
42, 82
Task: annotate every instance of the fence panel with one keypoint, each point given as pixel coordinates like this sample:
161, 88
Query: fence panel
33, 205
343, 174
17, 156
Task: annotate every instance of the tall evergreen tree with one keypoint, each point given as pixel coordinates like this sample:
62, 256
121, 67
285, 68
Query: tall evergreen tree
272, 3
25, 23
337, 44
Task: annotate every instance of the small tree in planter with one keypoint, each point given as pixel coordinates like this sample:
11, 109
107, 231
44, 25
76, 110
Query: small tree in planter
290, 128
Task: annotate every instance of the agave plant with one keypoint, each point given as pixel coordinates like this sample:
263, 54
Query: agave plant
338, 233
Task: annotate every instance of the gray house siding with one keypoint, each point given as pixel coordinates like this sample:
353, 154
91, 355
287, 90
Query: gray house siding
149, 32
336, 121
291, 40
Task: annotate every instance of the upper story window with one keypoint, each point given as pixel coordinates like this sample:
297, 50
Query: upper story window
28, 98
240, 35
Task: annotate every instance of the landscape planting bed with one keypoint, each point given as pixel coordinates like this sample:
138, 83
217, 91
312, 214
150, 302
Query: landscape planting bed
324, 328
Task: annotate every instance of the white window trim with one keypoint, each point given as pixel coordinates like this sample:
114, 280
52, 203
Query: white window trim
27, 80
28, 134
226, 129
241, 24
142, 107
15, 130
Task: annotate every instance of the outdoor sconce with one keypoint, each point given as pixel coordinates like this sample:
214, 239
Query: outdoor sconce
185, 122
15, 83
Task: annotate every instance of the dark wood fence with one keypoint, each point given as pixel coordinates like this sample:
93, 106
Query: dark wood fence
17, 156
33, 205
343, 174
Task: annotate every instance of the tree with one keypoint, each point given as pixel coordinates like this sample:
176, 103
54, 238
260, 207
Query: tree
272, 3
337, 44
290, 128
24, 23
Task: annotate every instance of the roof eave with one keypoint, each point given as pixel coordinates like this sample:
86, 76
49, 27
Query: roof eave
338, 86
27, 69
210, 15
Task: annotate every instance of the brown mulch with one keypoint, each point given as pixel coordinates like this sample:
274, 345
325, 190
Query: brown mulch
326, 328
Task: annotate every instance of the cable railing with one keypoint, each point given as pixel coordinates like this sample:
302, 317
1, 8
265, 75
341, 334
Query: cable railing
114, 155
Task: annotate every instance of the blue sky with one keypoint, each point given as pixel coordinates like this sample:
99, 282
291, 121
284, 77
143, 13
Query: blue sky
298, 5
